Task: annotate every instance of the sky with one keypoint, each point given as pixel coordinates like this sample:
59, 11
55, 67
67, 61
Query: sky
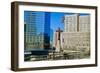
56, 21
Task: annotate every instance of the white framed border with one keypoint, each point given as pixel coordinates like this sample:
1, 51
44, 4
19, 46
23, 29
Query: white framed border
23, 64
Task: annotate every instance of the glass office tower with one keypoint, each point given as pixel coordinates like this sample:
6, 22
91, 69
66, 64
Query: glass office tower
36, 30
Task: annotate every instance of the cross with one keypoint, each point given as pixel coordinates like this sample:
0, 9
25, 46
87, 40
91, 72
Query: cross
59, 33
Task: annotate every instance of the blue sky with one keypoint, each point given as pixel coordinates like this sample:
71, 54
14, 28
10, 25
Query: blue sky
56, 20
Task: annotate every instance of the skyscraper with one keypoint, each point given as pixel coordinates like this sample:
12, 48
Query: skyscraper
77, 23
29, 19
84, 21
76, 36
37, 25
71, 23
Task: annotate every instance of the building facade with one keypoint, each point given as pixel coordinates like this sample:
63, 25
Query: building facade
77, 23
75, 40
84, 23
37, 30
76, 35
71, 23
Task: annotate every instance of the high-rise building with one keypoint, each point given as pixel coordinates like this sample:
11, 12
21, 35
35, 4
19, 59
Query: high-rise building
84, 23
77, 23
51, 37
37, 25
71, 23
30, 26
76, 35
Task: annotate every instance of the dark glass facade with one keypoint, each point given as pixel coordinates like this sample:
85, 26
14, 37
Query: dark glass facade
36, 30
